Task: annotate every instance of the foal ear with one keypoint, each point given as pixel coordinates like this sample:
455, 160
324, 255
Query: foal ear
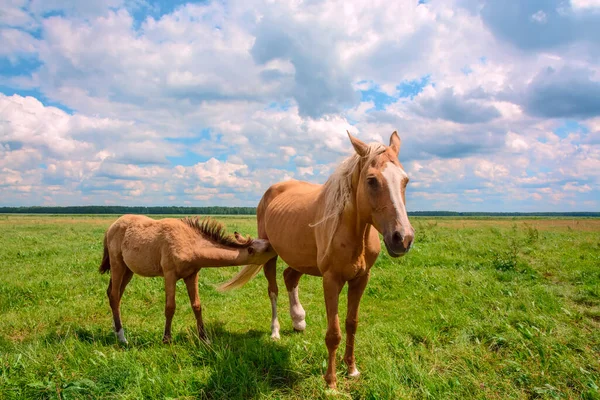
395, 142
360, 147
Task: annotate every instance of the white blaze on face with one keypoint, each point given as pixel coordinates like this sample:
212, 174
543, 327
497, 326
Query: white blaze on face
394, 175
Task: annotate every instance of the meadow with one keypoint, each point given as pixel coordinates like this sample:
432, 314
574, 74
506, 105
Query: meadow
480, 308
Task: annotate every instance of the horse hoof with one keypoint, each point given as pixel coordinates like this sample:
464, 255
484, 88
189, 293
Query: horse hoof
354, 374
167, 339
331, 387
121, 336
330, 381
206, 340
299, 326
275, 336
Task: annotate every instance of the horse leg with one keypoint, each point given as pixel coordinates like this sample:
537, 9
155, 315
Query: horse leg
332, 286
191, 283
117, 272
110, 302
170, 286
291, 278
356, 288
127, 275
270, 269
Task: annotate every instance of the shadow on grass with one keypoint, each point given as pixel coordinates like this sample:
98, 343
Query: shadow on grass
244, 365
241, 365
96, 336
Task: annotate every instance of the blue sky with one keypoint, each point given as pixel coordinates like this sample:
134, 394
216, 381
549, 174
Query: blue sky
140, 102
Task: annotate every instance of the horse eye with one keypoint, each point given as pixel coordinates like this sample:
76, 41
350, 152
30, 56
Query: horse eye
372, 182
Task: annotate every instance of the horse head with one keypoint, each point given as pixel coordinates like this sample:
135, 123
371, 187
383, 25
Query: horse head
380, 194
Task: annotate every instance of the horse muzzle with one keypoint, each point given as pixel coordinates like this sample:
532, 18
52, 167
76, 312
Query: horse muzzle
398, 243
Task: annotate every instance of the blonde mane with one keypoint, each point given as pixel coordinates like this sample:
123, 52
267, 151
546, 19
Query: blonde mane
215, 231
338, 188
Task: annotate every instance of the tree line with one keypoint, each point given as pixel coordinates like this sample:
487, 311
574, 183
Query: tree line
218, 210
502, 214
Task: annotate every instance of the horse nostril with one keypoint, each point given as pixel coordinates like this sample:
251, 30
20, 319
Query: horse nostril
408, 240
397, 237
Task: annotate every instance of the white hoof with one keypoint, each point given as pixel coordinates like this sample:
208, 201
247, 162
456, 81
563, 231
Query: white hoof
299, 325
275, 336
121, 336
354, 374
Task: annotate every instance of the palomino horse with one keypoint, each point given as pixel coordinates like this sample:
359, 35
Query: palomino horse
326, 230
174, 249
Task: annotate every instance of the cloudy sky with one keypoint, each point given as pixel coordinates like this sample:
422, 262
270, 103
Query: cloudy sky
144, 102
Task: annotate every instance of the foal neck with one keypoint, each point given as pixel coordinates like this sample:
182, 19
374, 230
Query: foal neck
217, 256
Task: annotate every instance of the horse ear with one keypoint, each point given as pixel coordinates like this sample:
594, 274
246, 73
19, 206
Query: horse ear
360, 147
395, 142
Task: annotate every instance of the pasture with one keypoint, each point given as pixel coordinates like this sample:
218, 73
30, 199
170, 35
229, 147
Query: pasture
480, 308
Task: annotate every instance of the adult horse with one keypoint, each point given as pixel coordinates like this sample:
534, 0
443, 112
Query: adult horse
327, 230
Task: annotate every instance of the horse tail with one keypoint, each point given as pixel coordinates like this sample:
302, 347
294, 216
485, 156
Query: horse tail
242, 277
105, 264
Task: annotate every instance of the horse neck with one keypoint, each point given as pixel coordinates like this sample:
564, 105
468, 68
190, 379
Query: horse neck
357, 226
351, 219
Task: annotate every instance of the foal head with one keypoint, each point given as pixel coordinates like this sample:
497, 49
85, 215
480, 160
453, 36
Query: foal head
259, 251
380, 194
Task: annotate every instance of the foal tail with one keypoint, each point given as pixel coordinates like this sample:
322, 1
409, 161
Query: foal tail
105, 264
242, 277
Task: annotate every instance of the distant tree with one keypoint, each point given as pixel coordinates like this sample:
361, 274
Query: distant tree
220, 210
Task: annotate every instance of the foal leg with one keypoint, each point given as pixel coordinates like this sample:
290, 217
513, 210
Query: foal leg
291, 278
270, 269
356, 288
191, 282
170, 286
117, 272
332, 287
127, 275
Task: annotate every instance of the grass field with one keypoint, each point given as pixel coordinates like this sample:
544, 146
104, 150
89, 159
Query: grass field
480, 308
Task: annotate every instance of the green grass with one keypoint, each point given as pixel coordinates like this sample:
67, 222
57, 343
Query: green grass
480, 308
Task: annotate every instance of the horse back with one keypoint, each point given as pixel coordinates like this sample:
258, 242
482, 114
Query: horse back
139, 242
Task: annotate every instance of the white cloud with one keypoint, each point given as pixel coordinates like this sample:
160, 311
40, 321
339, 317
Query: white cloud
585, 4
17, 44
26, 120
13, 14
214, 102
516, 142
539, 17
220, 173
287, 152
575, 187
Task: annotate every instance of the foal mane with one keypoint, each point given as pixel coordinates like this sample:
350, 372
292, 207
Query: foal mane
338, 188
215, 231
